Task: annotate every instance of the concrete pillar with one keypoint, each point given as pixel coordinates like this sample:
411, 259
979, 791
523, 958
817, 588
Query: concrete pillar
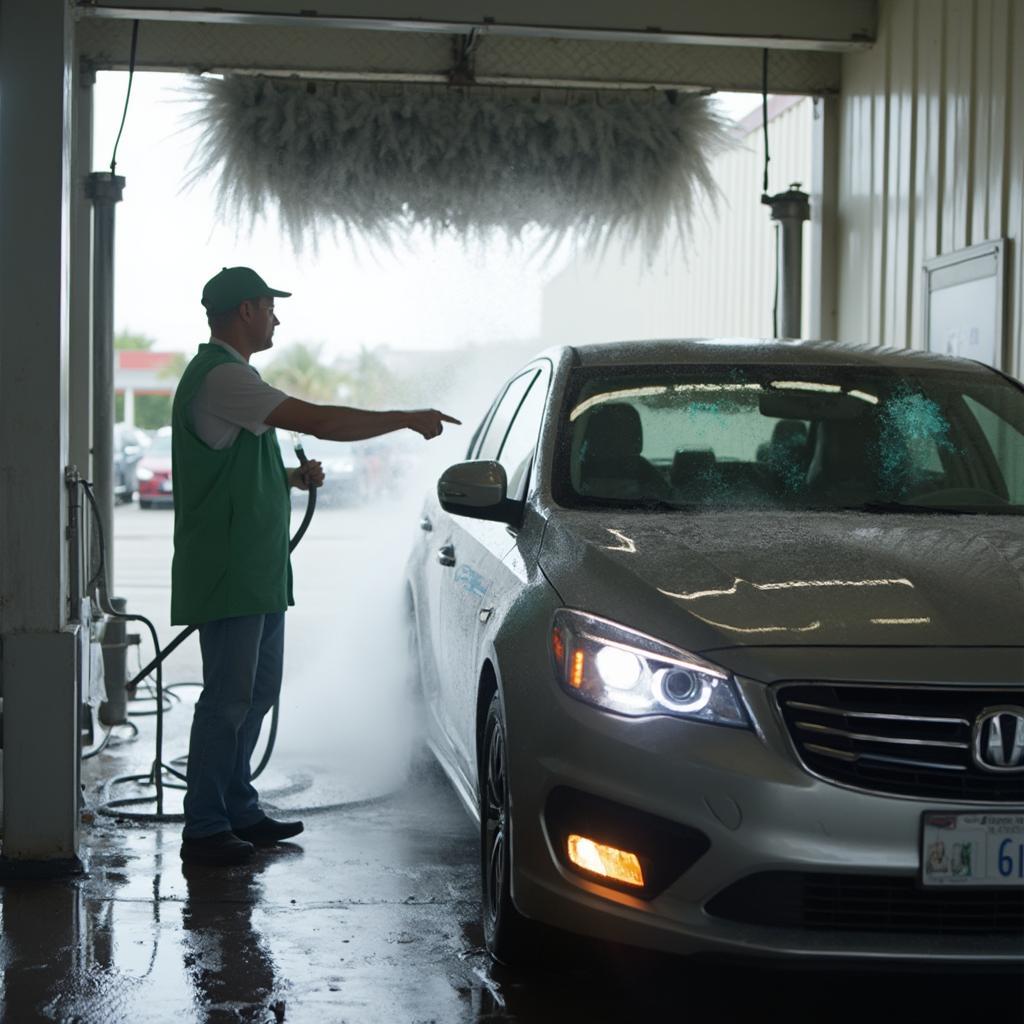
80, 377
38, 662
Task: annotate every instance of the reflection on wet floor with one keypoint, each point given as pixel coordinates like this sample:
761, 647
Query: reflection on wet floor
373, 917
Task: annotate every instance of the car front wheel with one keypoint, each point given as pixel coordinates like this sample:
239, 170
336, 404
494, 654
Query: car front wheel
507, 933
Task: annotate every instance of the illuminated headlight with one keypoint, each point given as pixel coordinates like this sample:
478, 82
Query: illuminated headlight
141, 473
627, 672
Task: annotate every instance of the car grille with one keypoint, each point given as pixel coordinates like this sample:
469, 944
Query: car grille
793, 899
906, 740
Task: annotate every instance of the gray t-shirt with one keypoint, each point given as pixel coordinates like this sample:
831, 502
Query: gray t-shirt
232, 397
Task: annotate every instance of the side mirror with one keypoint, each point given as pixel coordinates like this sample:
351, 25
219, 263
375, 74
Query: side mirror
478, 490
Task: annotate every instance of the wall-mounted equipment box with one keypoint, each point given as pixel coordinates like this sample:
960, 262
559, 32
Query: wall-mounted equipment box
964, 301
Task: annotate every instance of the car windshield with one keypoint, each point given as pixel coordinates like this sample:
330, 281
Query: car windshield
791, 436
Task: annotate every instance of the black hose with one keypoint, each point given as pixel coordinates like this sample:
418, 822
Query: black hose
189, 630
116, 808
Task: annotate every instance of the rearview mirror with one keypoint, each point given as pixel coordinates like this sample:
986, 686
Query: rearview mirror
478, 490
810, 405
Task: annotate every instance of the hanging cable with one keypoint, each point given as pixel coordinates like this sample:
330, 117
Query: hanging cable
764, 120
127, 95
765, 198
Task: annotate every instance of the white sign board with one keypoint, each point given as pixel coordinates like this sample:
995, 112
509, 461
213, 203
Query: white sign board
963, 303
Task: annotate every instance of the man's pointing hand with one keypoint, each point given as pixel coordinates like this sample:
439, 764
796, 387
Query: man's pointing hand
429, 422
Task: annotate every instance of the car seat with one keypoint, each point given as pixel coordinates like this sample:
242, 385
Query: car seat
611, 465
693, 473
785, 456
844, 464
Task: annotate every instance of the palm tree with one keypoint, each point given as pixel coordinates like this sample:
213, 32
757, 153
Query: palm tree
299, 371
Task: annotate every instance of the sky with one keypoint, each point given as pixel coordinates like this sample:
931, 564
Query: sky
170, 240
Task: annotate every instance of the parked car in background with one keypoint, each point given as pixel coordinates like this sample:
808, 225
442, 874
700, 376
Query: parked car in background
721, 644
130, 444
153, 473
346, 478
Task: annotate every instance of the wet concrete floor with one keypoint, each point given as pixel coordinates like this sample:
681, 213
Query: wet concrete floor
371, 915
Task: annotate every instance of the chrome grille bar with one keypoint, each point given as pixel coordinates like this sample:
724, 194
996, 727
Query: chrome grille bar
874, 738
850, 758
804, 706
904, 739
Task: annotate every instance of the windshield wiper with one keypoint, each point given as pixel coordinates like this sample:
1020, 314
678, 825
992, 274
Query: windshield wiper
904, 506
643, 504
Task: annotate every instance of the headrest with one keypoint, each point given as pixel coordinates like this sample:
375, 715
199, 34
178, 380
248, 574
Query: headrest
845, 452
613, 431
791, 432
691, 464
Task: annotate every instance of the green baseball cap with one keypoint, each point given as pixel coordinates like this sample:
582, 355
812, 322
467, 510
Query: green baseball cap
232, 286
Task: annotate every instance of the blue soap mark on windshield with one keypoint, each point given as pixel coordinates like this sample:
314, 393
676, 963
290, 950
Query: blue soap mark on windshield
912, 433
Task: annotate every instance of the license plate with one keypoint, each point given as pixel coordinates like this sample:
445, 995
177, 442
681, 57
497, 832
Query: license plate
985, 849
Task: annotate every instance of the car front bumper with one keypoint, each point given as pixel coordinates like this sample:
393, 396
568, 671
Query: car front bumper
761, 811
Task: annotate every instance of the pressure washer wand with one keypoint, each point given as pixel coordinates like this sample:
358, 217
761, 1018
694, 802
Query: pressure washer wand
300, 452
189, 630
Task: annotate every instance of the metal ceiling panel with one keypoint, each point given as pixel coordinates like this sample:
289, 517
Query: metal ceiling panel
347, 53
836, 25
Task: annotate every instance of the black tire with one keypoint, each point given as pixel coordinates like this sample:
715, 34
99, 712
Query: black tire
510, 937
143, 503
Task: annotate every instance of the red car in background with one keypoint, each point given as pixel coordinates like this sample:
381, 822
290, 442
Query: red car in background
153, 473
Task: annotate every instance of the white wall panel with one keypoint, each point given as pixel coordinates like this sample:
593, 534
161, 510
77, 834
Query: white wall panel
931, 159
722, 281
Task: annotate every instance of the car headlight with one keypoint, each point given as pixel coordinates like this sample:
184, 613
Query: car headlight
141, 473
621, 670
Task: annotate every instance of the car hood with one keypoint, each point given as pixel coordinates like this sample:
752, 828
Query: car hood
156, 464
717, 580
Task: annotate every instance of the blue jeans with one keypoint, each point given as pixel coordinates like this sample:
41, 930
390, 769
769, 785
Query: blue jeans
242, 662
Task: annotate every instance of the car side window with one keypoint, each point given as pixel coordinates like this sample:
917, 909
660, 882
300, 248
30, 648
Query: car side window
1003, 438
494, 435
516, 453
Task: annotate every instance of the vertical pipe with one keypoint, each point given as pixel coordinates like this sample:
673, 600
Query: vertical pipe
80, 346
790, 209
105, 190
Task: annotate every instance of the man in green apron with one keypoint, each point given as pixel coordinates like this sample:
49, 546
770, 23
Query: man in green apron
231, 575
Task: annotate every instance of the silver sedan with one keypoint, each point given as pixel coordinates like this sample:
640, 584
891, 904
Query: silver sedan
722, 643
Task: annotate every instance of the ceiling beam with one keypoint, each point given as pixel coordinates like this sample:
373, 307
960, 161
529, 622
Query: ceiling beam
837, 25
419, 56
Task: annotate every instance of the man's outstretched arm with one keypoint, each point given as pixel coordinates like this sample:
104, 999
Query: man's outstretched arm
341, 423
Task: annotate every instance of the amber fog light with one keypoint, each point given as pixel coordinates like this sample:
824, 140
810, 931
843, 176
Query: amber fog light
618, 846
618, 865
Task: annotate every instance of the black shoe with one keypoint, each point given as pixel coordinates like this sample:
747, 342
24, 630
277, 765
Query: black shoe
220, 848
267, 832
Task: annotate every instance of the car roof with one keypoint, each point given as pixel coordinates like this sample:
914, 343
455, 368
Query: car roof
739, 351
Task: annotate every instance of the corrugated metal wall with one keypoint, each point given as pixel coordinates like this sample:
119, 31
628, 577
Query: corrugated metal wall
722, 284
931, 160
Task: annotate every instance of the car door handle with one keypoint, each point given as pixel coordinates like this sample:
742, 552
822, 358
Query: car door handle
446, 554
426, 525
